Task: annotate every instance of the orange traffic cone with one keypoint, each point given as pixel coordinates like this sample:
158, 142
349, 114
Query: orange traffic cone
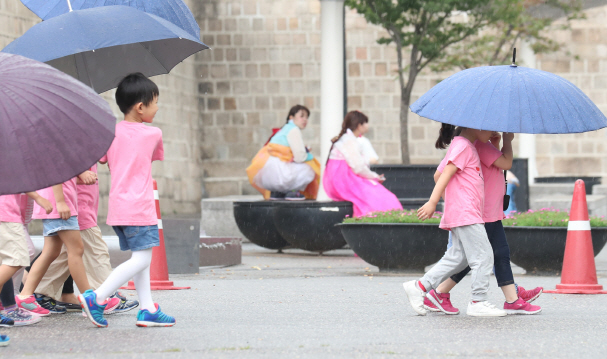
579, 271
159, 270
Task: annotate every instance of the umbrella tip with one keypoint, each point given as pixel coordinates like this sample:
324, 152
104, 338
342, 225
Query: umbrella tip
513, 57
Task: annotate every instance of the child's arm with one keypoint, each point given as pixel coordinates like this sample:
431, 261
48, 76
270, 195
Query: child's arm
62, 207
436, 177
505, 161
42, 202
429, 208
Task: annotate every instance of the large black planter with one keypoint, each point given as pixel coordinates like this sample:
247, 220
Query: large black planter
310, 225
407, 247
540, 250
255, 220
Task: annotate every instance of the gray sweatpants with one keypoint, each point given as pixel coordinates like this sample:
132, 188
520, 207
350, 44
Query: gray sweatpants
471, 247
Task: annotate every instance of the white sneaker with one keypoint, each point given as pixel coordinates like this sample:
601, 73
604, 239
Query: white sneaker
416, 297
484, 309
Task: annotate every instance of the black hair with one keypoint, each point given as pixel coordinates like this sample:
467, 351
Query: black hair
351, 122
446, 134
135, 88
295, 109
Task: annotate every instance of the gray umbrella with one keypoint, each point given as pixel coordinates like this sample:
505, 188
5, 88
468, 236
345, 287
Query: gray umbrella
52, 127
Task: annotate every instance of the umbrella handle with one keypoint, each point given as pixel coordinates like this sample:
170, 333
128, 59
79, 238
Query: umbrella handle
513, 54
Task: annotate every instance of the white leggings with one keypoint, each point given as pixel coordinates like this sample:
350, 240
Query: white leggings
138, 268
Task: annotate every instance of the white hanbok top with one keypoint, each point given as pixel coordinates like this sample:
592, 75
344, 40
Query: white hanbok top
349, 149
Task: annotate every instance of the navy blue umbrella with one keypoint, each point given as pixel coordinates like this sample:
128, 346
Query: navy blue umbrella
175, 11
100, 46
510, 99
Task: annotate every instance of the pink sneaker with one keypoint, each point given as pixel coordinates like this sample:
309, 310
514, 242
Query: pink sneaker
529, 295
442, 302
429, 306
110, 306
31, 305
521, 307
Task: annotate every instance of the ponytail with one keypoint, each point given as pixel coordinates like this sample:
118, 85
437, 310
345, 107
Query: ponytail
352, 120
446, 134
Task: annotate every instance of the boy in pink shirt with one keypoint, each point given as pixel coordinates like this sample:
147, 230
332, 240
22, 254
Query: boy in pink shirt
132, 210
493, 162
60, 227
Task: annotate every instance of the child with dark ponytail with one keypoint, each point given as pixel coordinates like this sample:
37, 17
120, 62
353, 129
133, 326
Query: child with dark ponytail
348, 176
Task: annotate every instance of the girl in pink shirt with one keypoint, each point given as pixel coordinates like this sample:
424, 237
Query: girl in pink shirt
59, 227
493, 162
462, 186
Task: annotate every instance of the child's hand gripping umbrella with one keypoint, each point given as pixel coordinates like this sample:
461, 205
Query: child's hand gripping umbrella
52, 127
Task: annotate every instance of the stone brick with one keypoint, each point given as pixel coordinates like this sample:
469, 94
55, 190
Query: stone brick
273, 87
219, 71
238, 40
592, 65
556, 66
578, 165
354, 69
262, 103
231, 55
213, 104
230, 25
214, 25
229, 104
241, 87
278, 103
299, 39
355, 102
281, 24
578, 66
361, 53
223, 87
251, 71
282, 39
250, 7
572, 147
236, 71
295, 70
265, 70
223, 40
293, 23
258, 24
238, 118
578, 35
417, 132
309, 102
245, 54
381, 69
245, 103
205, 88
244, 25
587, 148
259, 55
208, 40
218, 55
253, 119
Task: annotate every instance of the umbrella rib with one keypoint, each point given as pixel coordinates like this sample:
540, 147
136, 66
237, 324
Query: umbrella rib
154, 57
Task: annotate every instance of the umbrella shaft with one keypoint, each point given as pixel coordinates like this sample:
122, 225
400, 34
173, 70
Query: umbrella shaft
69, 4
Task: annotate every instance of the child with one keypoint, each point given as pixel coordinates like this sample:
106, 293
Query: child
132, 210
348, 176
493, 162
285, 168
96, 257
14, 250
463, 188
60, 227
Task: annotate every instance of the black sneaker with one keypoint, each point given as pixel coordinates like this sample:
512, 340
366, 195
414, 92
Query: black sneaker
295, 196
49, 304
125, 305
6, 321
70, 307
277, 196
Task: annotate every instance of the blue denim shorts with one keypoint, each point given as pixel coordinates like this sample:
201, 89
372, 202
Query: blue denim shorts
137, 238
50, 227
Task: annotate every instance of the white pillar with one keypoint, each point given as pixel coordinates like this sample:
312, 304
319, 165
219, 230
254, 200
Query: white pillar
331, 77
526, 142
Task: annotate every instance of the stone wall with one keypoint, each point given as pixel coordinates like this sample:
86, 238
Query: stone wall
180, 175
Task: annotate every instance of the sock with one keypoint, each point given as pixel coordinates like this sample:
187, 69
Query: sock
437, 292
23, 297
421, 286
511, 302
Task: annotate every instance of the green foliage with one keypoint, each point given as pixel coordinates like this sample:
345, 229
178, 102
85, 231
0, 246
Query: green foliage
541, 218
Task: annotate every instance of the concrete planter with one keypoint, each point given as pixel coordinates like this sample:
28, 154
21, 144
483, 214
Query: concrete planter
403, 247
540, 250
310, 225
256, 221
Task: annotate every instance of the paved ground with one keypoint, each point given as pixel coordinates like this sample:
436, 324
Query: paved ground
297, 305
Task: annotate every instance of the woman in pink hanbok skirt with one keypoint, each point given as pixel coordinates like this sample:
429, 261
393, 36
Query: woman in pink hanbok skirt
348, 176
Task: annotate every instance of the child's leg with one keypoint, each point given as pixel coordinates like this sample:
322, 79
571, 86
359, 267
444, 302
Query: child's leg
453, 261
52, 282
142, 283
139, 261
96, 256
479, 254
7, 294
20, 277
75, 250
501, 255
50, 251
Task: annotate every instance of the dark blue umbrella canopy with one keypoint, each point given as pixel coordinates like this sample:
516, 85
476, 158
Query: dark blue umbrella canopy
100, 46
510, 99
52, 127
175, 11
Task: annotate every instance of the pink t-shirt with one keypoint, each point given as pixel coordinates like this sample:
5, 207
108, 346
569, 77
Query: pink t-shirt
13, 207
69, 194
88, 203
495, 185
465, 193
130, 159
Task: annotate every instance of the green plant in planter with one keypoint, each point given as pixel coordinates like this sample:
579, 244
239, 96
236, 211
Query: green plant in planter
541, 218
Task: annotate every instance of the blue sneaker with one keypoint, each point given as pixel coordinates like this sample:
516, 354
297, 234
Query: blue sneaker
6, 322
4, 339
156, 319
93, 310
